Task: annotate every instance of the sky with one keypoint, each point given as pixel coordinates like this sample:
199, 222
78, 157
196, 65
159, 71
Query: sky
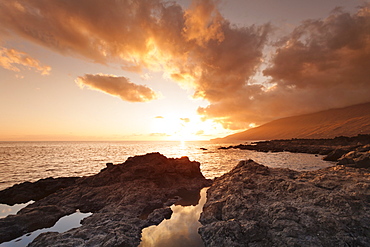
130, 70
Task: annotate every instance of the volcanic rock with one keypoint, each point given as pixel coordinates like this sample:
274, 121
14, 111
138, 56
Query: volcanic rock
359, 158
27, 191
335, 154
254, 205
334, 148
123, 198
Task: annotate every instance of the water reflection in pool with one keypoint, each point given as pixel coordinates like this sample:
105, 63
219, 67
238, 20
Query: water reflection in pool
181, 230
6, 210
62, 225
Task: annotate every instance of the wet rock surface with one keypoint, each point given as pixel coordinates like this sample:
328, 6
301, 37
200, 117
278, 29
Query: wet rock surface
254, 205
123, 198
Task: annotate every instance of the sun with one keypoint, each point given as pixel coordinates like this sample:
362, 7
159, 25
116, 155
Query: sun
176, 128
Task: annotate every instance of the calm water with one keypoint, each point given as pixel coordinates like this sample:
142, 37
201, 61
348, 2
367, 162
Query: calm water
62, 225
181, 230
30, 161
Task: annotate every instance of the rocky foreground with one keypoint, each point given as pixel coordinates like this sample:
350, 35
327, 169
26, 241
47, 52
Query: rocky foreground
254, 205
123, 198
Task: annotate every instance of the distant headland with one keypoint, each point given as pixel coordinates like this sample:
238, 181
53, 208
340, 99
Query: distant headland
348, 121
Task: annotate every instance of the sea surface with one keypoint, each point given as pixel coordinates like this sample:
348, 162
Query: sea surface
30, 161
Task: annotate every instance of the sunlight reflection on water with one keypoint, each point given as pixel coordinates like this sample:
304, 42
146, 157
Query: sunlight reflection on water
30, 161
181, 230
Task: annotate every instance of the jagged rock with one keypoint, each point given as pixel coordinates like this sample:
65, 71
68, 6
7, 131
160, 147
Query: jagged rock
335, 154
27, 191
364, 148
253, 205
356, 159
123, 198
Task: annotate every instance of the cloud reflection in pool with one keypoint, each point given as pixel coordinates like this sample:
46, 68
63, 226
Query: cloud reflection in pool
181, 230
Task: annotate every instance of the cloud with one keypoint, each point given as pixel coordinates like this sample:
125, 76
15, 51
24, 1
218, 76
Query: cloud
146, 76
117, 31
117, 86
203, 22
321, 64
159, 117
198, 48
199, 133
12, 59
185, 120
324, 63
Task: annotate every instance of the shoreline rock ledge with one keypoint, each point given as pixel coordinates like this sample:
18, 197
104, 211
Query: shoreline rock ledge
254, 205
123, 198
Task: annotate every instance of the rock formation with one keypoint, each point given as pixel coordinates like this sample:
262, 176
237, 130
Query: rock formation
312, 146
27, 191
254, 205
359, 158
123, 198
350, 151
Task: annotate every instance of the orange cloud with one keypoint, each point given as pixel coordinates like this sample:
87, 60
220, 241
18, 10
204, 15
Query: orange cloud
11, 59
117, 86
321, 64
197, 47
203, 22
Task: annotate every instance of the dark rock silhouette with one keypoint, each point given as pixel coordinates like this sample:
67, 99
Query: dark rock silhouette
359, 158
123, 198
335, 154
349, 151
254, 205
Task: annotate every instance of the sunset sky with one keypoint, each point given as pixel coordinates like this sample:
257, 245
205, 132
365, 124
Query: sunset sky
175, 70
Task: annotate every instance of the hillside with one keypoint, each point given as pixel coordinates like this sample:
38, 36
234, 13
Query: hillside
347, 121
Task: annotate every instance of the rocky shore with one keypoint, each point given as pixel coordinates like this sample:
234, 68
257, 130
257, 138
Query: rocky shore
356, 148
123, 198
254, 205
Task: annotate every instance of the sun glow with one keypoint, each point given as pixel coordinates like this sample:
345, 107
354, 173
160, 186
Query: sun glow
176, 128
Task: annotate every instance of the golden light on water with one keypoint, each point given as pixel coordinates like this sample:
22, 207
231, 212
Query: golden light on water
180, 230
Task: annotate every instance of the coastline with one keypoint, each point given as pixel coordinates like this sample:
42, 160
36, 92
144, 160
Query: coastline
123, 198
131, 196
333, 149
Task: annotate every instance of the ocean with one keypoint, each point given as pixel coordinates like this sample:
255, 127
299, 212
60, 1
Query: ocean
30, 161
